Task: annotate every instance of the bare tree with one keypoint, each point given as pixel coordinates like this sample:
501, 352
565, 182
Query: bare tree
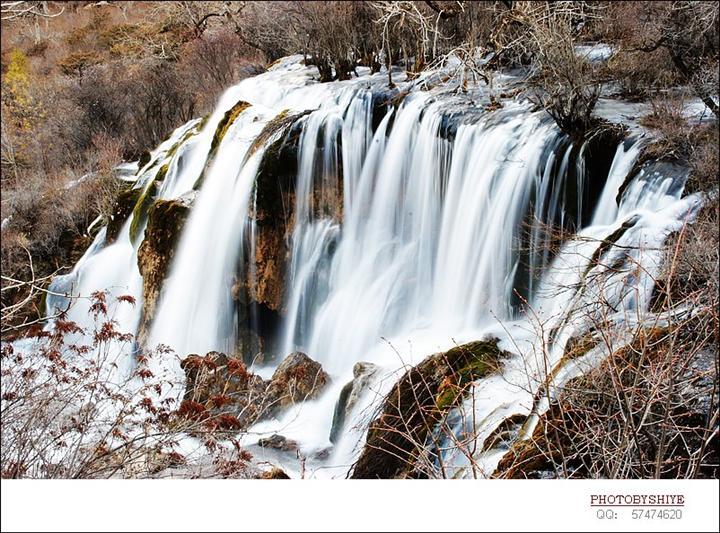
26, 9
565, 84
689, 32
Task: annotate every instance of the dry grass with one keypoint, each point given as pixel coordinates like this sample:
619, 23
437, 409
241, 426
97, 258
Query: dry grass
695, 145
650, 409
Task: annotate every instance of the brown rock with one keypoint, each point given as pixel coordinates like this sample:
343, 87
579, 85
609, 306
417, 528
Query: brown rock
275, 473
297, 379
416, 403
278, 442
166, 219
221, 388
122, 209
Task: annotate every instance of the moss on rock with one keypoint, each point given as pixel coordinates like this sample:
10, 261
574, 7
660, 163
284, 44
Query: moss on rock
140, 211
220, 131
166, 219
224, 125
123, 208
417, 403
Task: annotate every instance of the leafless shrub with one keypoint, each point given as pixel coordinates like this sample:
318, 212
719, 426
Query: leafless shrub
671, 42
212, 64
75, 410
565, 84
691, 144
650, 409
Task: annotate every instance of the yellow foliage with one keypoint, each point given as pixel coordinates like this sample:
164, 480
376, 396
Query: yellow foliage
17, 79
22, 108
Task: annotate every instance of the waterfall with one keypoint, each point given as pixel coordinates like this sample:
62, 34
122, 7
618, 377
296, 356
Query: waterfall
195, 314
417, 226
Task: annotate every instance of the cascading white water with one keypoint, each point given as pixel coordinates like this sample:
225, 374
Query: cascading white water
428, 232
195, 314
407, 239
112, 267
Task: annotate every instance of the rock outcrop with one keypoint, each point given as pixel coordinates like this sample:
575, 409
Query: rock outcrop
416, 404
363, 374
297, 379
166, 219
259, 291
273, 211
273, 473
122, 209
219, 387
222, 386
278, 442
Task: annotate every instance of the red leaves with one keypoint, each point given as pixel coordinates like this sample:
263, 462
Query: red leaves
98, 296
209, 363
119, 434
192, 410
99, 305
163, 349
245, 455
144, 374
229, 467
176, 459
238, 369
9, 396
220, 400
67, 326
106, 332
227, 423
192, 362
147, 404
126, 298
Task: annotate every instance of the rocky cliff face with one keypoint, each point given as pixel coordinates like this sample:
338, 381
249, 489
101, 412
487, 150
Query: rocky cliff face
166, 219
260, 291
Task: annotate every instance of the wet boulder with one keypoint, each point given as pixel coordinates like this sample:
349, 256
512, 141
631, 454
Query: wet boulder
221, 388
273, 473
278, 442
417, 403
297, 379
122, 209
363, 375
219, 385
